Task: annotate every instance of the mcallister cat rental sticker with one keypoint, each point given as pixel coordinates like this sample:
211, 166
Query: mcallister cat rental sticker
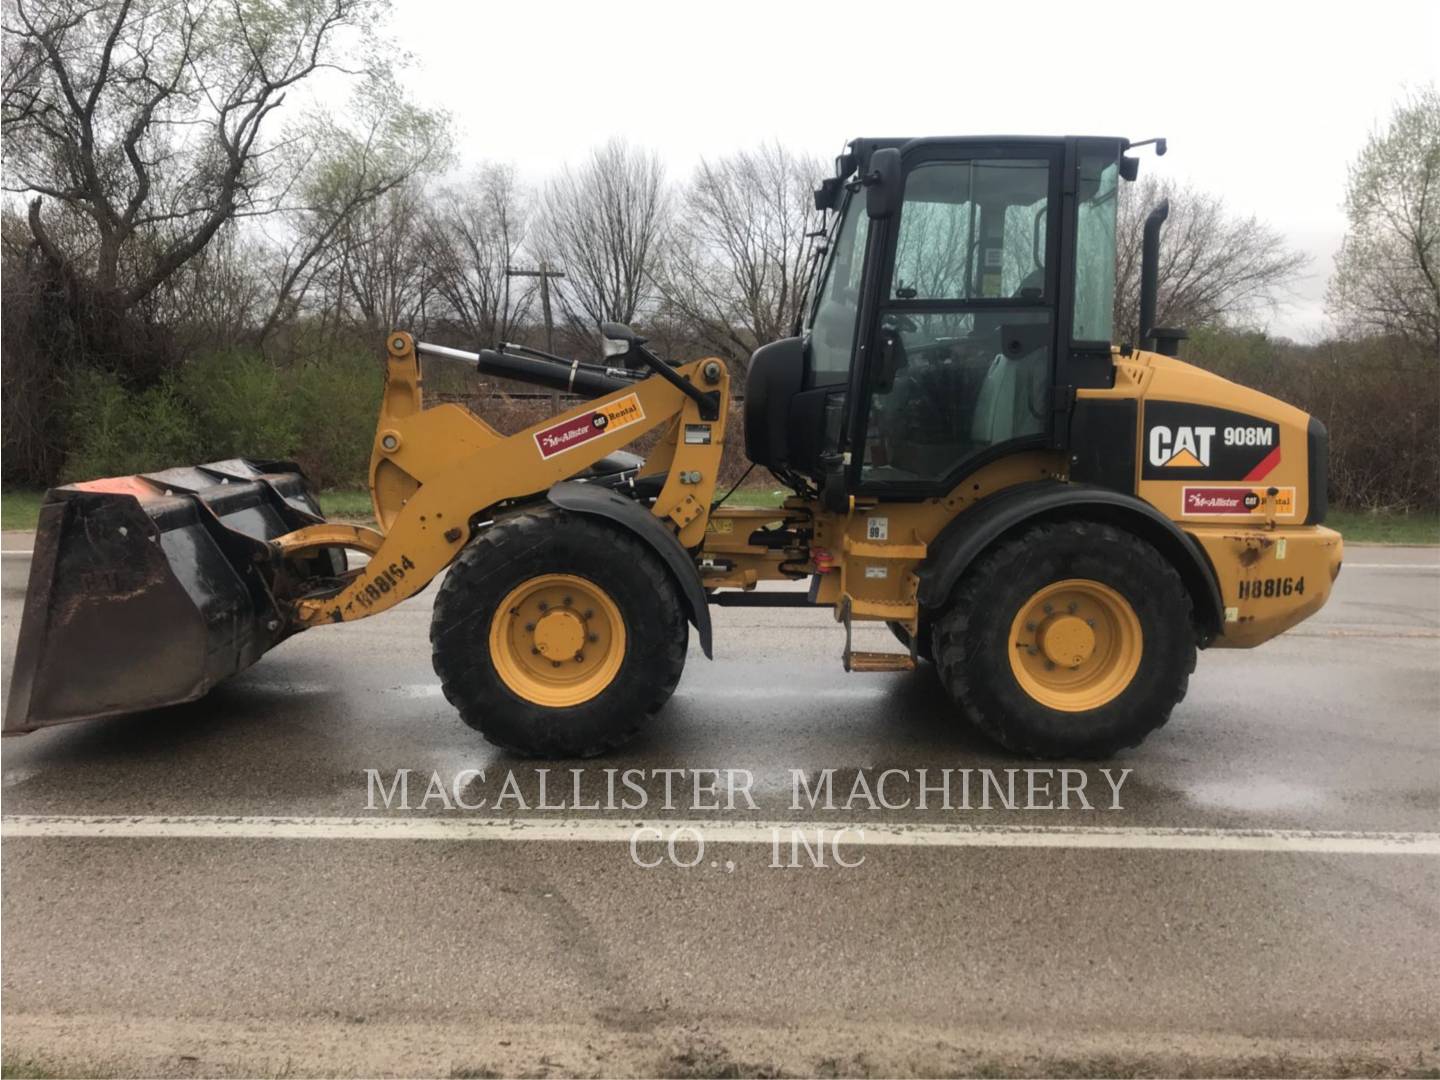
568, 434
1234, 501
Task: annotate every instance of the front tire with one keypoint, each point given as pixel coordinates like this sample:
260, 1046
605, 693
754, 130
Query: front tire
558, 635
1074, 639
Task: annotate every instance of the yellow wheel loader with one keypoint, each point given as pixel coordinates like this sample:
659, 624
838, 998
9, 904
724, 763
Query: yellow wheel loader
1055, 521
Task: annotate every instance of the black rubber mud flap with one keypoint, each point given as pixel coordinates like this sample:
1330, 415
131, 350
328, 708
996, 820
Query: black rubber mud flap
593, 499
148, 590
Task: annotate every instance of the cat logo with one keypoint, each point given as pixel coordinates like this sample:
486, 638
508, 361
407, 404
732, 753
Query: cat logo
1184, 447
1189, 442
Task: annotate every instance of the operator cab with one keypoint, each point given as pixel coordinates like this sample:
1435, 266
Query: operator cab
965, 291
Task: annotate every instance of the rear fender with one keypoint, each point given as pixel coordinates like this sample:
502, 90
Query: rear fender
1008, 511
602, 502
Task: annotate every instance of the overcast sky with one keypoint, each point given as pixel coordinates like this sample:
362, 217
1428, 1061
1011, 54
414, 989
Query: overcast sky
1264, 102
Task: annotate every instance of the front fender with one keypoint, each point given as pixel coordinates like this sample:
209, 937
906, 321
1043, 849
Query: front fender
582, 498
976, 529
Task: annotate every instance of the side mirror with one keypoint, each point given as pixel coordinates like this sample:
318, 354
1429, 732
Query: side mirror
827, 195
883, 187
617, 339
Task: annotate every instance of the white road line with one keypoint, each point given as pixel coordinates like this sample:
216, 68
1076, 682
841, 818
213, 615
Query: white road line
621, 830
1390, 566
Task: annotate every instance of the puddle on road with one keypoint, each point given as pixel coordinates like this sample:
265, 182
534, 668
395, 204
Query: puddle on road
416, 690
15, 777
1256, 794
701, 693
284, 687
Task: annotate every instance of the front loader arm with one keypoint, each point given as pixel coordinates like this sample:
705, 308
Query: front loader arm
433, 470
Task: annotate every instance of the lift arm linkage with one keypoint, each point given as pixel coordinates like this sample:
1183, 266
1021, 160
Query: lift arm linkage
434, 471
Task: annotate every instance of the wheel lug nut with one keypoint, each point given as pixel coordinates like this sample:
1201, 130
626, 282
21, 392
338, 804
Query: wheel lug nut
579, 657
588, 614
530, 626
1049, 666
554, 663
1072, 607
592, 638
1090, 623
1049, 610
534, 651
1030, 626
568, 601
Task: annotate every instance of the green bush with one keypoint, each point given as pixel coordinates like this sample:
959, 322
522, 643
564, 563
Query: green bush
336, 401
236, 403
243, 403
116, 432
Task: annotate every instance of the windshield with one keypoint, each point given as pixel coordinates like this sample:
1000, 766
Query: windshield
832, 319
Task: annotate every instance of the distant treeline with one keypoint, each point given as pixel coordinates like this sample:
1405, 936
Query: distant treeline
189, 271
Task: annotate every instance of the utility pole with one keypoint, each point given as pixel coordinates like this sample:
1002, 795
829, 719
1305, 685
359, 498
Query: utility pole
544, 274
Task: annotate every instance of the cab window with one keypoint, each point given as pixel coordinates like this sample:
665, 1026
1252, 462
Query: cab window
971, 230
1094, 311
962, 359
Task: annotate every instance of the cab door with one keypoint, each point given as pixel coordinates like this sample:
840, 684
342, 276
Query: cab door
960, 347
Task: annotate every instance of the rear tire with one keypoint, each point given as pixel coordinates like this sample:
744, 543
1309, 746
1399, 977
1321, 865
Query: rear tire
1073, 640
558, 635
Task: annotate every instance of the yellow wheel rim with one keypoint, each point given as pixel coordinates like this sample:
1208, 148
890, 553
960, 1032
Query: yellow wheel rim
557, 640
1075, 645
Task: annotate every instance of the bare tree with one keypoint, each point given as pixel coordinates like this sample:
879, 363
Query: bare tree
1387, 275
349, 165
380, 271
473, 233
216, 301
1216, 269
603, 223
735, 268
146, 113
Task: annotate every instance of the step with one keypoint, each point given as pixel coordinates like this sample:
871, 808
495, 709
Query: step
896, 610
879, 661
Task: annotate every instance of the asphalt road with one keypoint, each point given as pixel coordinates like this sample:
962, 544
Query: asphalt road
1259, 903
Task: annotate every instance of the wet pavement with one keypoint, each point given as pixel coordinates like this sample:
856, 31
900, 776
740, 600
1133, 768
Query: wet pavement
917, 957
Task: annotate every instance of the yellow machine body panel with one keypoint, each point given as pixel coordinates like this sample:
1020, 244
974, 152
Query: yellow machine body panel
1232, 467
1229, 465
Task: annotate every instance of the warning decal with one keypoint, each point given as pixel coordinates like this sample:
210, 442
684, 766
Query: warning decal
568, 434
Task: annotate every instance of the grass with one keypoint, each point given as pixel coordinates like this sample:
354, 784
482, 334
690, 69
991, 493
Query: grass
18, 1068
1365, 527
347, 505
21, 509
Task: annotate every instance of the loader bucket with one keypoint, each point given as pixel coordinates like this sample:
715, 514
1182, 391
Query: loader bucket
148, 590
